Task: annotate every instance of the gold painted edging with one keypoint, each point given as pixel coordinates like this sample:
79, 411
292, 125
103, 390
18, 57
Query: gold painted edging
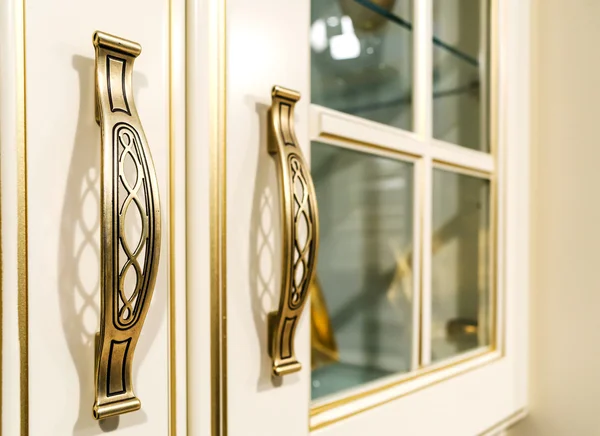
22, 281
498, 191
218, 209
366, 147
460, 169
1, 307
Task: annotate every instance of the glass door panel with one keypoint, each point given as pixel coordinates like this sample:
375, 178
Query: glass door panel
460, 72
362, 292
460, 251
361, 58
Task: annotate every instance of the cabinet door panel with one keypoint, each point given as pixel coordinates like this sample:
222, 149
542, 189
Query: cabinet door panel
268, 43
63, 189
266, 46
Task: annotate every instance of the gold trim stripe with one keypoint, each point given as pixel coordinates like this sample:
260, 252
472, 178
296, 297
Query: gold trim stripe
218, 209
462, 170
366, 147
1, 309
23, 314
1, 306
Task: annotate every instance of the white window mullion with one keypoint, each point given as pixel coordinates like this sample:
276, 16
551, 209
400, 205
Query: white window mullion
423, 68
423, 127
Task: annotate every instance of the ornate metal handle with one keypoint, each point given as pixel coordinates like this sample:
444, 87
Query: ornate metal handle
129, 264
300, 230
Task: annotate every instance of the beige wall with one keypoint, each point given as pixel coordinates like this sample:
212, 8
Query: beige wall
565, 295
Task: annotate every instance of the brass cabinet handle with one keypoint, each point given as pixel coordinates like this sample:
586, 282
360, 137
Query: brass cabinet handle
300, 226
129, 186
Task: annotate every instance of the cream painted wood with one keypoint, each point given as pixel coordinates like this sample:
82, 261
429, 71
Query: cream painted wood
267, 45
8, 209
202, 19
63, 183
564, 354
63, 147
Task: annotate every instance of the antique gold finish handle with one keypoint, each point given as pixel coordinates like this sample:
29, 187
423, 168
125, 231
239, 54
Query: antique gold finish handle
300, 226
129, 263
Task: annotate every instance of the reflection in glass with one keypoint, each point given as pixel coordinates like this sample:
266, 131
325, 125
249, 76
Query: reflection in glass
361, 58
362, 295
460, 68
461, 277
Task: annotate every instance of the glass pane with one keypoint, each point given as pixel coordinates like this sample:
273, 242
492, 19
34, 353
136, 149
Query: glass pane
460, 66
361, 58
460, 287
362, 296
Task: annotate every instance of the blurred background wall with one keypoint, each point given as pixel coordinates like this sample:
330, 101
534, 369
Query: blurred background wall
565, 294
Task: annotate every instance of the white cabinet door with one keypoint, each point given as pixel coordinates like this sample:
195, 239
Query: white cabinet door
52, 251
446, 296
266, 45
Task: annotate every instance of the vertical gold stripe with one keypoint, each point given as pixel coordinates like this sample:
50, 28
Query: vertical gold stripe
497, 334
1, 305
22, 214
172, 264
218, 207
